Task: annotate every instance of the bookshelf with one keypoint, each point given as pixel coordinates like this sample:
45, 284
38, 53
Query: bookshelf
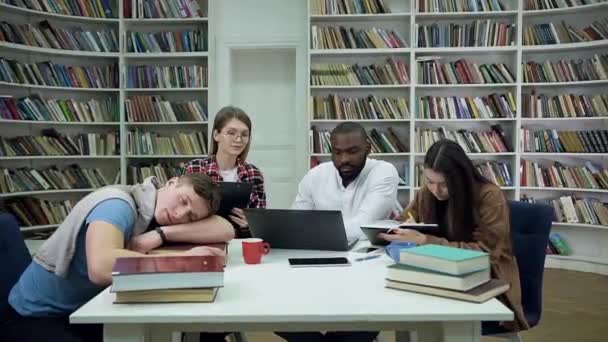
587, 241
140, 41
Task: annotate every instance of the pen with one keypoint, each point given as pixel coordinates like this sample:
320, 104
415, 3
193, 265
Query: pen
409, 214
368, 257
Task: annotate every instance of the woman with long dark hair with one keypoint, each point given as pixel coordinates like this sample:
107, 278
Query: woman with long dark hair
471, 212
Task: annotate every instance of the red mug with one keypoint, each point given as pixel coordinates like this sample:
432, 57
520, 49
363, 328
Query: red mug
253, 249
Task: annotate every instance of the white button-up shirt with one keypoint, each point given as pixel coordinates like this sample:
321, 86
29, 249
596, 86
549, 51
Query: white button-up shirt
370, 197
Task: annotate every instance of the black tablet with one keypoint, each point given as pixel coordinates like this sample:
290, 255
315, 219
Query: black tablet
234, 195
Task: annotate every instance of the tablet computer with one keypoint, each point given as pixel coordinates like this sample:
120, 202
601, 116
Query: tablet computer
234, 195
372, 230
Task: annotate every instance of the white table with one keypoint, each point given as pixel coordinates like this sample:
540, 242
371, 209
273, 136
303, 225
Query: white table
273, 296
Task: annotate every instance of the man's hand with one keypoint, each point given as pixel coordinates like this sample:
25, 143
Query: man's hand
238, 217
409, 235
145, 242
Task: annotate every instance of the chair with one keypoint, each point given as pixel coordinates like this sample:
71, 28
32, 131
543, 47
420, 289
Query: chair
15, 253
530, 228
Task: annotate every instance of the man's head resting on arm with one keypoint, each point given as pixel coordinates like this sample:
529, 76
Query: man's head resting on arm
186, 199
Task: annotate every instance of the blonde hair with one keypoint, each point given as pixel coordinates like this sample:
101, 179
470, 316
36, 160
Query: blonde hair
222, 118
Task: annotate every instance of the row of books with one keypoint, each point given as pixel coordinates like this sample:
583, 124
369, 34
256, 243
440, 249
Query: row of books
480, 107
71, 177
586, 176
36, 108
329, 37
450, 6
534, 5
583, 69
478, 33
547, 34
174, 76
461, 274
167, 41
333, 7
382, 142
162, 171
462, 71
32, 211
371, 107
393, 72
144, 9
53, 144
58, 75
152, 143
155, 109
472, 142
496, 171
564, 105
570, 209
551, 140
88, 8
46, 35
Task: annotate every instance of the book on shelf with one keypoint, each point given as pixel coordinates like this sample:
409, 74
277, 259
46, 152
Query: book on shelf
564, 105
381, 141
559, 245
491, 106
497, 172
570, 209
340, 37
151, 143
479, 33
161, 272
479, 294
535, 5
462, 71
58, 75
146, 9
393, 72
575, 70
336, 7
432, 6
37, 108
557, 175
554, 141
37, 212
71, 177
47, 35
155, 109
492, 141
51, 143
167, 41
561, 33
89, 8
162, 171
371, 107
174, 76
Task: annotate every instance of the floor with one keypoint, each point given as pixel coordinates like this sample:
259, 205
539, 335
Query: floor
576, 309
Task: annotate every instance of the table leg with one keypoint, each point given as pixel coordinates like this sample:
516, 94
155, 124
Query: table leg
125, 333
443, 332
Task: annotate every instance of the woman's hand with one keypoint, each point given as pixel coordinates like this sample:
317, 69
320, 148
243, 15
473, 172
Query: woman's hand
238, 217
409, 235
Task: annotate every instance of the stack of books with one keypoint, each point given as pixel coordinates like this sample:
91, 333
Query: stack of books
446, 272
167, 279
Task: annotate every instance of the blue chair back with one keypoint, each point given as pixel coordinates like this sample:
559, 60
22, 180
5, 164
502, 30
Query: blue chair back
14, 254
530, 228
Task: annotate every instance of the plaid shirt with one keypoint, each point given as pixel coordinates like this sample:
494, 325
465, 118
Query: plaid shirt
245, 173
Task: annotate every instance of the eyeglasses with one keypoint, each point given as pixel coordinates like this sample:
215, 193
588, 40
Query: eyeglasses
234, 135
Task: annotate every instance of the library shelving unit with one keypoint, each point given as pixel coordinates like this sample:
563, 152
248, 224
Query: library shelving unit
587, 241
120, 166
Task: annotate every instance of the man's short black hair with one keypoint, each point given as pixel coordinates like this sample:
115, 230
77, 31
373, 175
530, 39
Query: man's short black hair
349, 127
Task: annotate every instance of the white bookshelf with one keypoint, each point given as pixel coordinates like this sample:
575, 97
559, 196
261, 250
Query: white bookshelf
586, 256
108, 164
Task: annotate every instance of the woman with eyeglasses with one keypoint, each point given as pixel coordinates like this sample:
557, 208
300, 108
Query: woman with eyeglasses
227, 161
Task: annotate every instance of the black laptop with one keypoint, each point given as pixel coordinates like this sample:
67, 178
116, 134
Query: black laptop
300, 229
